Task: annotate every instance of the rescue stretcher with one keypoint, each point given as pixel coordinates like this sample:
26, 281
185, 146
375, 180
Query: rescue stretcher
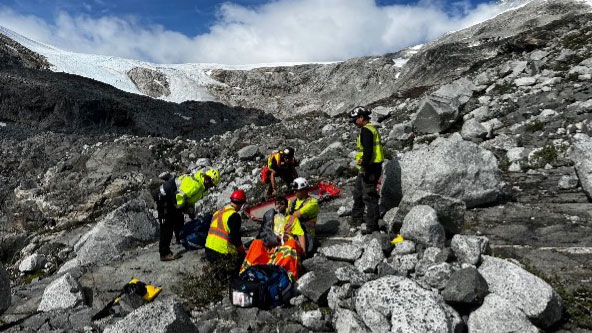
321, 191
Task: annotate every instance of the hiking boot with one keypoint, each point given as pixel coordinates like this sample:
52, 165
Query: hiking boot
170, 257
369, 230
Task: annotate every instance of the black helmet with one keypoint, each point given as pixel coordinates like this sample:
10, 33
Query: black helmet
289, 151
357, 112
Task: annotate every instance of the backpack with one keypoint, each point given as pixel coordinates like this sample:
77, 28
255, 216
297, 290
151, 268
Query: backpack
194, 233
262, 286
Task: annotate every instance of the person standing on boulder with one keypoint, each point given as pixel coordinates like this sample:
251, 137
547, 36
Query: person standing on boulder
369, 159
175, 197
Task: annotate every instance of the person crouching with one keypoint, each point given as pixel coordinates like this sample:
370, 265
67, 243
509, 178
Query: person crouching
224, 237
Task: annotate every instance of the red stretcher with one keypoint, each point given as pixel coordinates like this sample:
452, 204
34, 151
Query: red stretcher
321, 191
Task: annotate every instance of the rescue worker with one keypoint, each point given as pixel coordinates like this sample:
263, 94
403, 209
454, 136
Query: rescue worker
281, 164
175, 197
273, 228
224, 237
306, 209
281, 241
369, 159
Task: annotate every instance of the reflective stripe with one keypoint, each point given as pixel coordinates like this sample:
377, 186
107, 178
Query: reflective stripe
218, 234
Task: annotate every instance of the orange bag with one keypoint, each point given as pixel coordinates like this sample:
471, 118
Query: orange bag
264, 174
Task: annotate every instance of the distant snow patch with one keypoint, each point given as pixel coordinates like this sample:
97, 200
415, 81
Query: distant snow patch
399, 62
2, 124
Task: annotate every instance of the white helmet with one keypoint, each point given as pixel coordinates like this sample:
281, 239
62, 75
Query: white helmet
300, 183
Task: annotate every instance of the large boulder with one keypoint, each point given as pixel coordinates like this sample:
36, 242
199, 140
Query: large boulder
391, 192
347, 321
398, 304
248, 152
130, 225
472, 130
315, 286
450, 211
435, 115
452, 168
459, 91
63, 293
465, 286
421, 225
468, 249
371, 257
343, 252
5, 297
166, 316
581, 155
529, 293
498, 315
150, 82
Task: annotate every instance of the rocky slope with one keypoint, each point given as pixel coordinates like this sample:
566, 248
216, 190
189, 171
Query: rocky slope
489, 158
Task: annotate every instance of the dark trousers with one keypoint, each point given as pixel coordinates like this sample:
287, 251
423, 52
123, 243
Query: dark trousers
228, 265
366, 196
171, 221
287, 176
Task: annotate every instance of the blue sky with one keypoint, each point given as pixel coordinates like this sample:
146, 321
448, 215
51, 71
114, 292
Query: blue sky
239, 31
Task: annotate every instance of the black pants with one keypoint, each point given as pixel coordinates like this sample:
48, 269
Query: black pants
232, 263
366, 196
171, 221
287, 176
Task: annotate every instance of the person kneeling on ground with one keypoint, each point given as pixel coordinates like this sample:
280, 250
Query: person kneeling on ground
306, 209
224, 236
281, 164
281, 241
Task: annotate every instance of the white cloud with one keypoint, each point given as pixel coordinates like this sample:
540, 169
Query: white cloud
280, 31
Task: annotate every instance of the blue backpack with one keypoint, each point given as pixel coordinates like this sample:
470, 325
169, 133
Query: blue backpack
263, 286
194, 233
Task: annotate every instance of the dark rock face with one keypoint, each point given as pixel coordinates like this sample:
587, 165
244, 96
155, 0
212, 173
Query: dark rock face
466, 286
72, 104
4, 290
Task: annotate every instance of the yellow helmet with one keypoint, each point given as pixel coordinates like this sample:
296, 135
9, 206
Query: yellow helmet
214, 175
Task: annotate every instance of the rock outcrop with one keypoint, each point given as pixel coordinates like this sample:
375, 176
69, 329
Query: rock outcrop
149, 81
530, 294
129, 225
163, 316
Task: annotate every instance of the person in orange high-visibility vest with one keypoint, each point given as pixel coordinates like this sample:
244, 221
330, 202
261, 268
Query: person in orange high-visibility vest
224, 237
281, 242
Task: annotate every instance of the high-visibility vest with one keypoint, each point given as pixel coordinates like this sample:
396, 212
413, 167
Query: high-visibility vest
219, 233
291, 221
309, 222
277, 156
377, 154
190, 188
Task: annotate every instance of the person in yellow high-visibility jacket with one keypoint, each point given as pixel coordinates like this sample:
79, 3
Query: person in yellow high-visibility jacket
306, 209
369, 159
176, 197
224, 237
